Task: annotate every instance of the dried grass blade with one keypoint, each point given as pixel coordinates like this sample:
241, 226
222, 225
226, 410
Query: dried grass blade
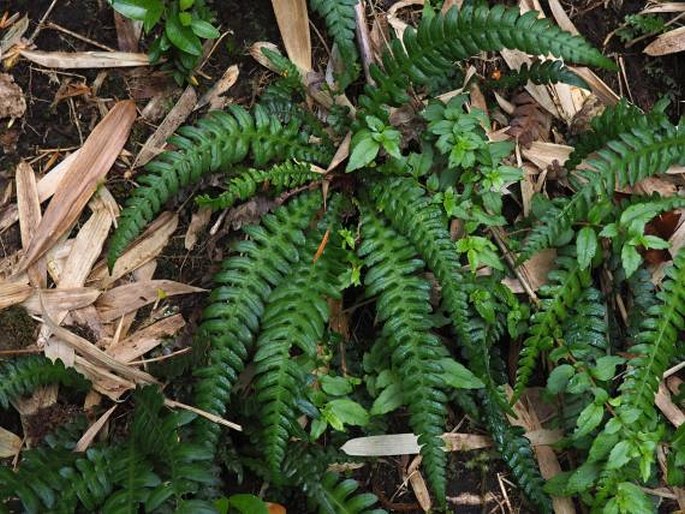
81, 180
293, 23
28, 206
79, 60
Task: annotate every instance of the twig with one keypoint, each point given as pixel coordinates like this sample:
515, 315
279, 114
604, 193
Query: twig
59, 28
363, 39
41, 23
211, 417
520, 275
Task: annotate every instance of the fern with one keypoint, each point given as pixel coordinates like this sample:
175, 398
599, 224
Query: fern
613, 121
217, 142
633, 156
296, 314
429, 51
280, 177
236, 305
340, 22
567, 285
403, 307
540, 72
22, 375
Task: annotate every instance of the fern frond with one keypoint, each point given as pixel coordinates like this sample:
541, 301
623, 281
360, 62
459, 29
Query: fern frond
236, 305
216, 142
296, 314
566, 285
430, 50
634, 156
540, 72
280, 177
613, 121
341, 25
305, 466
403, 307
22, 375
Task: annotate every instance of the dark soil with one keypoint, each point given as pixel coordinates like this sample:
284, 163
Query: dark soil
50, 128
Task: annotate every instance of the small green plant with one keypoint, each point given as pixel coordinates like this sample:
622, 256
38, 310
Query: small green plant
186, 23
636, 25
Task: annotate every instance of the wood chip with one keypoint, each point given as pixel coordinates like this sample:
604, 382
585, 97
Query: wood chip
12, 293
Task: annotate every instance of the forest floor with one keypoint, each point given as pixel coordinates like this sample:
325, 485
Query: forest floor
64, 104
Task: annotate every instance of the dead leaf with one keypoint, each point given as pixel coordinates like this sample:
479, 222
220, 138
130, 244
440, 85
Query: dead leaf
214, 97
275, 508
87, 438
198, 222
118, 301
293, 24
141, 342
418, 484
10, 444
669, 42
28, 206
12, 293
78, 60
12, 103
82, 179
529, 123
55, 300
128, 32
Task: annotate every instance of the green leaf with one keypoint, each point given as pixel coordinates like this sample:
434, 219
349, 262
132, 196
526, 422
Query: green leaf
336, 386
633, 500
631, 259
248, 504
559, 377
135, 9
620, 455
611, 230
345, 412
391, 398
182, 37
458, 376
582, 478
364, 150
184, 5
589, 419
204, 29
185, 18
655, 243
586, 246
605, 367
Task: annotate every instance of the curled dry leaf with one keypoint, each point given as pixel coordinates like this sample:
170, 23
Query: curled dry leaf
82, 178
670, 42
12, 103
529, 122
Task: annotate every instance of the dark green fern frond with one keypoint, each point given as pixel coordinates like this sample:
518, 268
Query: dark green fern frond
236, 305
430, 50
216, 142
566, 285
540, 72
279, 177
296, 315
305, 466
340, 23
517, 452
403, 306
635, 155
614, 120
22, 375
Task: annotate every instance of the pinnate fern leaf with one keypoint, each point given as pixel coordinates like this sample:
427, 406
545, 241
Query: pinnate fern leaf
404, 309
22, 375
540, 72
243, 186
236, 305
635, 155
217, 141
295, 315
439, 40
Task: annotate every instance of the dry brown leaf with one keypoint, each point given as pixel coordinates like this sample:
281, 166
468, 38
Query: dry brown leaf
214, 97
77, 60
12, 293
141, 342
12, 103
198, 222
669, 409
10, 444
535, 271
529, 123
87, 438
144, 249
544, 154
669, 42
104, 381
82, 179
177, 115
28, 206
418, 484
145, 272
120, 300
128, 32
255, 51
55, 300
448, 4
341, 153
597, 85
12, 35
293, 23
